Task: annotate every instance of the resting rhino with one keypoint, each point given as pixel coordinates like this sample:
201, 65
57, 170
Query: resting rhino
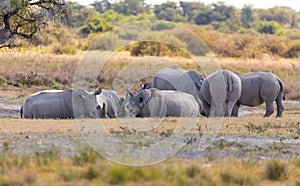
111, 102
188, 81
219, 93
259, 87
156, 103
61, 104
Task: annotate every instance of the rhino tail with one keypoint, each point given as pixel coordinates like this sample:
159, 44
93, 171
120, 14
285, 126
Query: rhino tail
229, 82
281, 88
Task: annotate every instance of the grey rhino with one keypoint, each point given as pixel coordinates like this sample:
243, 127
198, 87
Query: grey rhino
156, 103
188, 81
259, 87
61, 104
110, 101
219, 93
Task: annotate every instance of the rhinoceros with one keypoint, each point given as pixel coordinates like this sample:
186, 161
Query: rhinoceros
61, 104
156, 103
259, 87
110, 101
219, 93
188, 81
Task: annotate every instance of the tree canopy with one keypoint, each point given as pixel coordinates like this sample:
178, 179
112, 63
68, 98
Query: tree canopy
23, 18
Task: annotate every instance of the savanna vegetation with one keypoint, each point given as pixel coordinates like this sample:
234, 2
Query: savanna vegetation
46, 51
42, 42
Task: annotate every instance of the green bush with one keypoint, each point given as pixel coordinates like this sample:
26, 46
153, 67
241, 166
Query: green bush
117, 175
270, 27
94, 24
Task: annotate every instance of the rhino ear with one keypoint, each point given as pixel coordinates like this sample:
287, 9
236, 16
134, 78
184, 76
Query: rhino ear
98, 92
142, 86
129, 93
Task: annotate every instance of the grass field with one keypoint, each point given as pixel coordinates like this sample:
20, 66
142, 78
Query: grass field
53, 152
29, 72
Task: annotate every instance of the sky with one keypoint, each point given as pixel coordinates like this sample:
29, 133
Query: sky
295, 4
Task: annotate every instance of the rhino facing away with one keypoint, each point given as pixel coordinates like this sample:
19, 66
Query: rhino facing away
156, 103
61, 104
260, 87
188, 81
219, 93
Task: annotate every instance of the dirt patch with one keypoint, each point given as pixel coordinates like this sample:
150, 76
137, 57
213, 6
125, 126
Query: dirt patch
9, 110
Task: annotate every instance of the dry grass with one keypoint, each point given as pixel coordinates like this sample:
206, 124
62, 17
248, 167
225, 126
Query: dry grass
29, 69
87, 168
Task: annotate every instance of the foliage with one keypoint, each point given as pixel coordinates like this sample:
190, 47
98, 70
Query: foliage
168, 11
23, 19
95, 24
270, 27
248, 16
125, 7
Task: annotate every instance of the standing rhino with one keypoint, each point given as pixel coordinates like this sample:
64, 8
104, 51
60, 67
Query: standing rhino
219, 93
111, 102
156, 103
259, 87
188, 81
59, 104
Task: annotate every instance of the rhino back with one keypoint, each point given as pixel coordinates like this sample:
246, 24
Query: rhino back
171, 104
257, 87
48, 105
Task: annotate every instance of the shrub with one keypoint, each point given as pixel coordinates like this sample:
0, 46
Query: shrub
275, 170
270, 27
64, 49
92, 172
117, 175
69, 174
192, 171
94, 24
232, 179
162, 25
55, 85
294, 50
31, 79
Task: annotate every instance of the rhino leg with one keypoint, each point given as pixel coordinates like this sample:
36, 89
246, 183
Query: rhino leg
279, 104
235, 110
269, 108
230, 106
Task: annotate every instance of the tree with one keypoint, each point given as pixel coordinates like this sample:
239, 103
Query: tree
222, 12
102, 6
247, 16
94, 24
168, 11
131, 7
23, 18
191, 9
